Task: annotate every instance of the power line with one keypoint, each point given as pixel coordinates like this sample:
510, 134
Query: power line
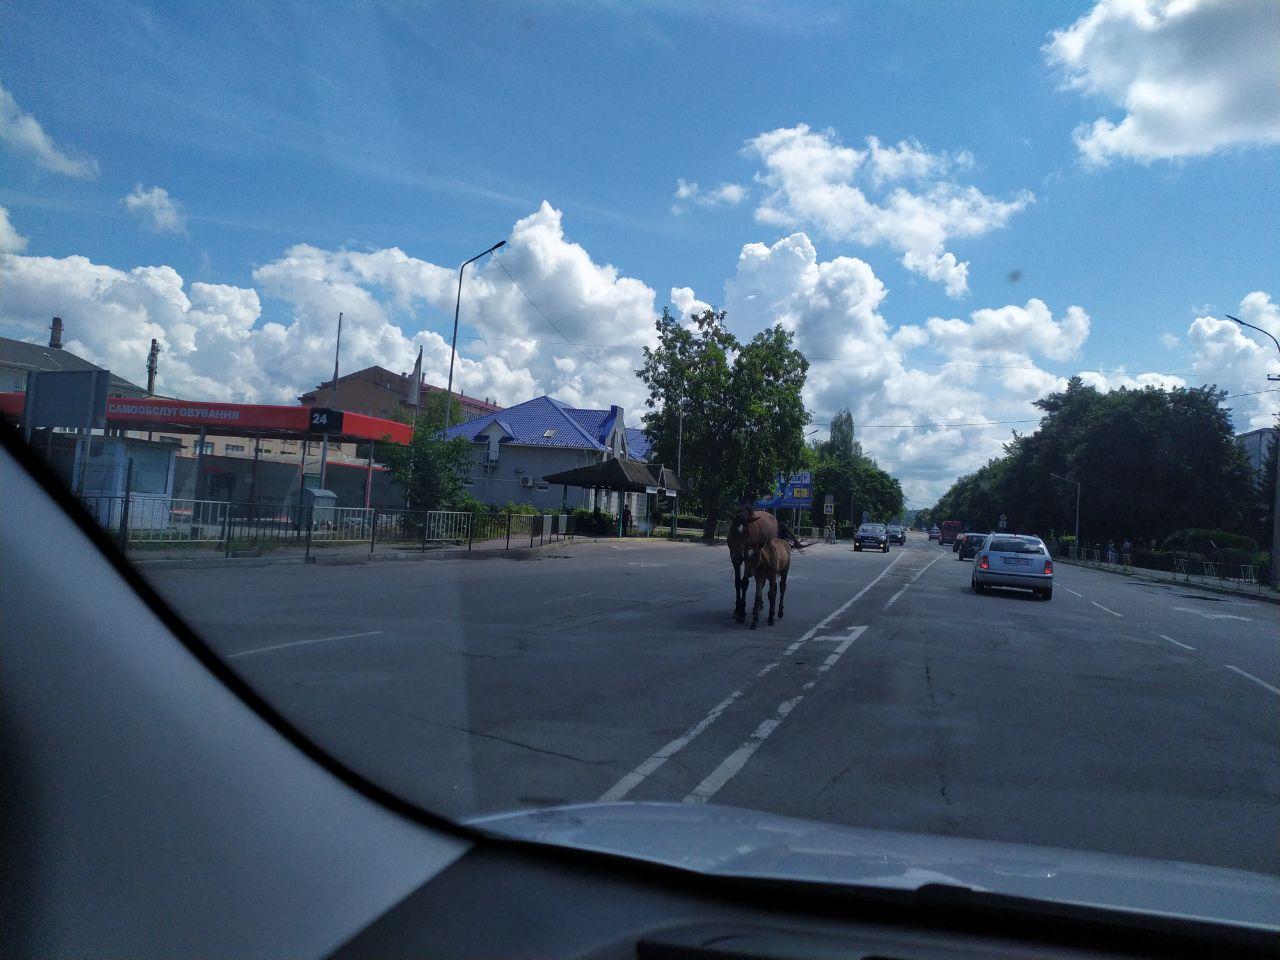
1062, 371
552, 325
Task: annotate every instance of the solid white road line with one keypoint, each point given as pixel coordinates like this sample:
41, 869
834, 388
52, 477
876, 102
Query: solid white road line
1177, 643
894, 598
1101, 607
303, 643
1073, 593
731, 764
649, 766
1250, 676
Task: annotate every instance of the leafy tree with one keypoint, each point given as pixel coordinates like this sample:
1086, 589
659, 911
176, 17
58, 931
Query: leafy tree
743, 414
856, 482
1151, 462
431, 468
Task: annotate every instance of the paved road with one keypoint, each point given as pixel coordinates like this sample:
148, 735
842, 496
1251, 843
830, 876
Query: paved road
1121, 716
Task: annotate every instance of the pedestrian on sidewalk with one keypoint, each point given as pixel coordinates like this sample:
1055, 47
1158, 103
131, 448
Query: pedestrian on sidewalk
626, 521
1126, 549
1111, 551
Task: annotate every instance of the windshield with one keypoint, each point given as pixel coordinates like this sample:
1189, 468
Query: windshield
501, 389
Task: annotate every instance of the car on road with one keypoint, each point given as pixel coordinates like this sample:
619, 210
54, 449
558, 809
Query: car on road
872, 536
1013, 560
950, 530
934, 532
897, 533
969, 545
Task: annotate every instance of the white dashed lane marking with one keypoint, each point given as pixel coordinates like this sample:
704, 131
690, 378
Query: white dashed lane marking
303, 643
731, 764
1105, 609
1250, 676
1177, 643
651, 765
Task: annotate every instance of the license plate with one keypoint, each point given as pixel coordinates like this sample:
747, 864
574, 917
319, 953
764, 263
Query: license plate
1020, 561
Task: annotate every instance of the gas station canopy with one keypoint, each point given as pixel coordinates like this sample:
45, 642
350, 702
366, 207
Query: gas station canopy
236, 419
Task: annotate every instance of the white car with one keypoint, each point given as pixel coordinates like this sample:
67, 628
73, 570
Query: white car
1013, 560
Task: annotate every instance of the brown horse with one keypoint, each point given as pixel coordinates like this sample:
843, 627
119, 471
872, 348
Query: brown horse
748, 527
770, 562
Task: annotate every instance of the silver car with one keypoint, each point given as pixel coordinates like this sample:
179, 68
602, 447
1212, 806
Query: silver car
1013, 560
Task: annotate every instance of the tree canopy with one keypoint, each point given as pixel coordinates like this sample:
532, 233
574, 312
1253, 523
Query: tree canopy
855, 481
1150, 462
744, 416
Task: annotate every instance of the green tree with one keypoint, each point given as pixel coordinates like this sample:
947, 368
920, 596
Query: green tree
856, 482
1151, 462
430, 469
743, 414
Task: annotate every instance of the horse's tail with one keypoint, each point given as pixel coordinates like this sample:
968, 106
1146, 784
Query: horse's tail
784, 532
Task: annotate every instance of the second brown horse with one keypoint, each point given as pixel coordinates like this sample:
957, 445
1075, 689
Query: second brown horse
770, 562
750, 527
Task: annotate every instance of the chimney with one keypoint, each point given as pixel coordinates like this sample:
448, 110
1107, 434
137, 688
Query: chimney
55, 334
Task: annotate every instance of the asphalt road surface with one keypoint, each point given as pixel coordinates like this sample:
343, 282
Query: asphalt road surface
1122, 716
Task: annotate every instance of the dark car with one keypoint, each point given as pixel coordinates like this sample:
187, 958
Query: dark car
970, 544
872, 536
897, 533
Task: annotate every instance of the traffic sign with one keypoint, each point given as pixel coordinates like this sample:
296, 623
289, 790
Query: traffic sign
828, 508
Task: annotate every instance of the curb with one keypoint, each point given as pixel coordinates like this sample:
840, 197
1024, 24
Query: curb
1174, 581
319, 559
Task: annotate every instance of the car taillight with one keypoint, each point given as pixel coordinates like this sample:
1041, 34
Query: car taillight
983, 564
1048, 566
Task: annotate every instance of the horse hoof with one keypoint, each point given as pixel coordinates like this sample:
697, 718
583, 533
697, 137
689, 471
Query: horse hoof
771, 622
753, 626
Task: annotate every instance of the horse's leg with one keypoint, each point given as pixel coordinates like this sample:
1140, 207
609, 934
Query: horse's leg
739, 591
773, 595
756, 607
782, 593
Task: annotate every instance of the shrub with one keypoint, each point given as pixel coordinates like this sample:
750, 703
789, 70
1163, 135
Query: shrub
1207, 541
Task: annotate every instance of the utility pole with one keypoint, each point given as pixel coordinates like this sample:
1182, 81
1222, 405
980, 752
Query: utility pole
333, 400
1275, 442
1077, 483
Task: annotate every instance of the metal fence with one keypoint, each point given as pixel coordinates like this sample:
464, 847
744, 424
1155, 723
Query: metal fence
141, 521
1234, 576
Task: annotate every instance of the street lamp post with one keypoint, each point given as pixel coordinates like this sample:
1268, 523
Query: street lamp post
453, 348
1077, 483
1275, 442
675, 501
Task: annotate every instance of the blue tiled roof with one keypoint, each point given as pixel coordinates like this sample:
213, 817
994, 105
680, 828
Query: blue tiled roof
527, 423
638, 443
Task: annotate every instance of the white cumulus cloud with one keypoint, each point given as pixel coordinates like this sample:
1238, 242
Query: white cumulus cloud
159, 211
1190, 77
813, 179
724, 195
11, 241
22, 133
220, 342
1229, 354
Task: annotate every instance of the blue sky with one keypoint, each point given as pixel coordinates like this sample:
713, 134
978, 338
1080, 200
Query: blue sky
435, 129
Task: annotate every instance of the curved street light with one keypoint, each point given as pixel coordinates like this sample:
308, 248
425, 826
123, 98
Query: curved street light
1275, 442
453, 348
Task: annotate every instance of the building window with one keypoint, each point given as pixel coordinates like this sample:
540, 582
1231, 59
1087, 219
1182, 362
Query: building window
543, 486
233, 448
549, 433
206, 447
177, 440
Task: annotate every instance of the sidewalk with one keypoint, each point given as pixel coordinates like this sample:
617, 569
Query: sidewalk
1231, 587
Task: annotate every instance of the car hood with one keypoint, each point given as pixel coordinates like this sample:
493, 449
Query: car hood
730, 842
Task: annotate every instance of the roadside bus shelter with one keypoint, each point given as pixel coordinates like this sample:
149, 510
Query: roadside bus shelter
620, 476
257, 421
